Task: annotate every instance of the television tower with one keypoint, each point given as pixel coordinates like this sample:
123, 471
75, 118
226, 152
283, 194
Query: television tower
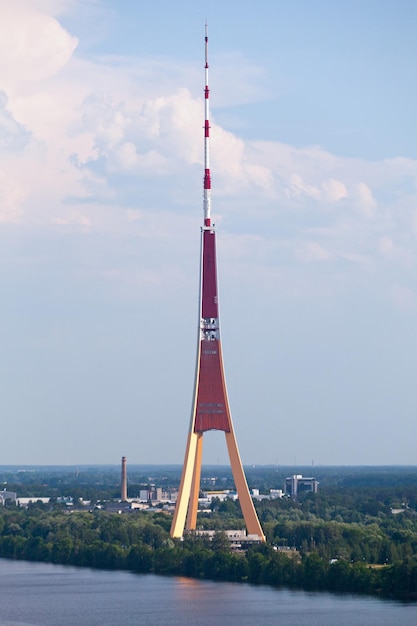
210, 407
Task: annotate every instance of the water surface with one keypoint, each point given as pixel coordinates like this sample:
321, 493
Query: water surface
42, 594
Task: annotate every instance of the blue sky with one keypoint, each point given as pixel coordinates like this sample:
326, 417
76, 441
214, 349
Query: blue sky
314, 168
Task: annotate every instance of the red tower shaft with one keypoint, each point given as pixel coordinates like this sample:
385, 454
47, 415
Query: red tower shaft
212, 411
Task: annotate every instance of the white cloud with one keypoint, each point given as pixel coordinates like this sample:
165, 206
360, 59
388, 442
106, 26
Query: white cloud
298, 187
33, 45
13, 136
51, 7
75, 219
152, 135
334, 190
308, 251
11, 198
364, 199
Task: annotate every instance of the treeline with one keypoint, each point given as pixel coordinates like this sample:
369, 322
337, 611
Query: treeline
356, 527
140, 542
103, 482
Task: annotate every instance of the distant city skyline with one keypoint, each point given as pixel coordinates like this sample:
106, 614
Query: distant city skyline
314, 177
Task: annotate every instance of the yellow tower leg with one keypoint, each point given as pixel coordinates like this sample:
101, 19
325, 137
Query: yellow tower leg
191, 522
178, 522
246, 503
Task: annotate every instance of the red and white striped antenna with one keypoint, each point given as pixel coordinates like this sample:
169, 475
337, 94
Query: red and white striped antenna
207, 175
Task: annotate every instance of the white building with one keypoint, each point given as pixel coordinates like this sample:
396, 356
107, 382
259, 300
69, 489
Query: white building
7, 495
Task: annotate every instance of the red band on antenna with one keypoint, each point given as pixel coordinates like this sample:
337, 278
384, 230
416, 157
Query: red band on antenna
207, 179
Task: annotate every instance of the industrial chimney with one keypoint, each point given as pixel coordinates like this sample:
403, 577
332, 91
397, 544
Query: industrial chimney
123, 495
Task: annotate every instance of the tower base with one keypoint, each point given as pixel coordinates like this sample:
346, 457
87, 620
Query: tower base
185, 516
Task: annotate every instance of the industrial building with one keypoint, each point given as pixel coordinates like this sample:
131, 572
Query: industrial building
297, 483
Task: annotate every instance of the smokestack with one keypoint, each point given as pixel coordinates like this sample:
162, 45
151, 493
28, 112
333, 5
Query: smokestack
124, 480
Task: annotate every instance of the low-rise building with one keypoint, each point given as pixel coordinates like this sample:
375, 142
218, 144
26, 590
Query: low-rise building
238, 538
7, 495
24, 502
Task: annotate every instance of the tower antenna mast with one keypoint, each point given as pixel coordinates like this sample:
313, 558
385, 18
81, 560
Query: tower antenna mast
207, 175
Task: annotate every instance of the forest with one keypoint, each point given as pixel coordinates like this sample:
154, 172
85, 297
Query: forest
359, 538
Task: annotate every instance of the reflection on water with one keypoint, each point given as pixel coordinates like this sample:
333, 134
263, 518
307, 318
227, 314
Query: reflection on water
189, 589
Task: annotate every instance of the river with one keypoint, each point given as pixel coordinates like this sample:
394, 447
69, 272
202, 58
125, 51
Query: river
42, 594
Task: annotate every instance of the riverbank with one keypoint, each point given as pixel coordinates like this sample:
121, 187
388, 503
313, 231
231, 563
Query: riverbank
142, 544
